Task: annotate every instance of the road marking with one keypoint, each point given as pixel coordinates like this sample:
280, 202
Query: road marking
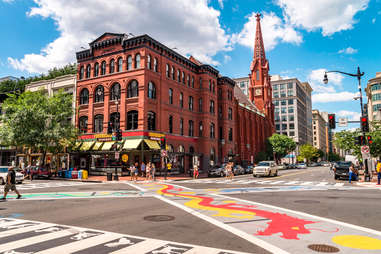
339, 184
322, 184
292, 183
277, 182
306, 183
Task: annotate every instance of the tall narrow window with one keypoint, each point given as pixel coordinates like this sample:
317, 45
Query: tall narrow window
178, 76
120, 64
257, 74
151, 90
200, 127
96, 69
181, 126
98, 123
230, 114
149, 62
220, 115
167, 70
115, 121
211, 108
170, 123
221, 133
151, 121
129, 62
83, 124
103, 68
190, 128
81, 72
210, 85
99, 94
200, 105
84, 96
155, 66
192, 82
137, 61
170, 94
200, 82
132, 120
230, 134
112, 66
212, 134
183, 77
188, 80
173, 73
132, 89
88, 71
190, 103
115, 92
181, 100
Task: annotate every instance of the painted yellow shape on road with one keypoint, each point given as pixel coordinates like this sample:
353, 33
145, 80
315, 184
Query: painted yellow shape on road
358, 242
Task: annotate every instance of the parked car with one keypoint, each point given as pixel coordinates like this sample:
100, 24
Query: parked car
291, 166
249, 169
217, 171
314, 164
301, 165
238, 170
266, 168
325, 164
38, 172
4, 173
341, 169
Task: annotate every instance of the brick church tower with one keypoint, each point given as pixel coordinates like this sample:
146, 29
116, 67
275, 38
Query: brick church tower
260, 91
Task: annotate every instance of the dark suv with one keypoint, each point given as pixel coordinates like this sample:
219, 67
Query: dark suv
341, 169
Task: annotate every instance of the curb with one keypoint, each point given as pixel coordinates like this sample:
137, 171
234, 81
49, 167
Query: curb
76, 180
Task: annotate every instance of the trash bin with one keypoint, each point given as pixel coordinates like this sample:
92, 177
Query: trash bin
85, 174
109, 176
80, 174
74, 174
68, 174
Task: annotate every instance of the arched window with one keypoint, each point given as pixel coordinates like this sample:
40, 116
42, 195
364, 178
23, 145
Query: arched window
190, 128
120, 64
151, 121
137, 61
181, 100
167, 70
149, 66
230, 114
178, 76
170, 123
132, 89
151, 90
132, 120
129, 62
96, 69
98, 123
103, 68
83, 124
155, 67
115, 92
112, 66
200, 127
99, 94
81, 72
88, 71
212, 133
192, 82
170, 94
181, 126
183, 77
188, 80
181, 149
115, 121
84, 96
190, 103
173, 73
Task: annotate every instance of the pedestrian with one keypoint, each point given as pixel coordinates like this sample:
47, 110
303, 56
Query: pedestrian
132, 171
143, 167
195, 172
11, 183
148, 171
136, 171
153, 171
378, 169
351, 172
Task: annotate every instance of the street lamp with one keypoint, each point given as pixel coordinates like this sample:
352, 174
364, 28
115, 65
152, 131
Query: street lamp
358, 75
117, 130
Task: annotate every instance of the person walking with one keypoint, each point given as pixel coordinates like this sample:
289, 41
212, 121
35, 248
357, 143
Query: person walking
132, 171
11, 183
153, 171
378, 169
195, 172
136, 171
351, 172
143, 168
148, 171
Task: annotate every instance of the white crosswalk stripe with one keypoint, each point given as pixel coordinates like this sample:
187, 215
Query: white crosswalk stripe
52, 184
48, 238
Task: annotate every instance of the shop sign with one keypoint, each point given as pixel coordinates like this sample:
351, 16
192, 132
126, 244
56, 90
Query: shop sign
156, 135
102, 136
155, 138
124, 157
105, 139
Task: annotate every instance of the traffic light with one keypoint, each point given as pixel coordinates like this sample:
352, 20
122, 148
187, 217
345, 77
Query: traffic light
109, 128
364, 124
370, 141
331, 121
360, 140
163, 143
118, 134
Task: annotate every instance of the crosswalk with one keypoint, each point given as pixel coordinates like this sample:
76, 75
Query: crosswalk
30, 237
262, 182
50, 184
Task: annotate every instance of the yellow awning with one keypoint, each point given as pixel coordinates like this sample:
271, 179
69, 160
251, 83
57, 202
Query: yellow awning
132, 143
107, 145
97, 145
86, 146
152, 144
77, 145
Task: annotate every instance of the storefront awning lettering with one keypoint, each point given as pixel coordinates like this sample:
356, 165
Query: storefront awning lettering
107, 145
86, 146
97, 146
152, 144
132, 143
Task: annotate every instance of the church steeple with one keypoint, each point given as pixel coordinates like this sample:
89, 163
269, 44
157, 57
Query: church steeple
259, 49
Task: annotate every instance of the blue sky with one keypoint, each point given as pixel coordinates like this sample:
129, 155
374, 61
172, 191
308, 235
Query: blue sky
301, 39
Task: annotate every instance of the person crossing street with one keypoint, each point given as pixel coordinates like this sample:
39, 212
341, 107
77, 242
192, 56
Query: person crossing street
378, 169
11, 183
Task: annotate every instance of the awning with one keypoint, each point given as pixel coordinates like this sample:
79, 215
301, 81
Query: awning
77, 145
86, 146
107, 145
132, 143
97, 145
152, 144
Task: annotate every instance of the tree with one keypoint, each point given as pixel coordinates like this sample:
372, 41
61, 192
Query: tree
281, 145
34, 120
375, 147
308, 152
333, 157
346, 140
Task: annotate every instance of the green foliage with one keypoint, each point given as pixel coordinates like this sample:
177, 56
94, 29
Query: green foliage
19, 85
334, 157
36, 121
281, 145
320, 154
346, 140
375, 147
308, 152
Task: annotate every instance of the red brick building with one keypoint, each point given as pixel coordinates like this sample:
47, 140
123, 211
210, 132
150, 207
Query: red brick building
152, 93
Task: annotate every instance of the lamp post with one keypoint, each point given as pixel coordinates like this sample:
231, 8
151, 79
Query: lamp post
116, 177
358, 75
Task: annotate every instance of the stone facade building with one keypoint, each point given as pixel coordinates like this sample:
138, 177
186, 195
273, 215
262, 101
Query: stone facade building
373, 92
319, 131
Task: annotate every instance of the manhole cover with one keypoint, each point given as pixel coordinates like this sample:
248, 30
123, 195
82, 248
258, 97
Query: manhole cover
307, 201
159, 218
323, 248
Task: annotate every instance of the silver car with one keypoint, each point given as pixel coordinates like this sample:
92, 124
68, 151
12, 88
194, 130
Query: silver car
266, 168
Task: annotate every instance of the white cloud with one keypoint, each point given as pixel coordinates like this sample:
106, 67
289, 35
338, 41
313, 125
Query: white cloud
315, 78
191, 26
329, 15
221, 3
348, 51
227, 58
274, 31
8, 1
373, 20
351, 115
332, 97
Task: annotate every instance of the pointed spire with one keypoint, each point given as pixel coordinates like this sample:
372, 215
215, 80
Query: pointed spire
259, 49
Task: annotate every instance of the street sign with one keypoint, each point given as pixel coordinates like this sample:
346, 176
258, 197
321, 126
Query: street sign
365, 149
163, 153
343, 122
